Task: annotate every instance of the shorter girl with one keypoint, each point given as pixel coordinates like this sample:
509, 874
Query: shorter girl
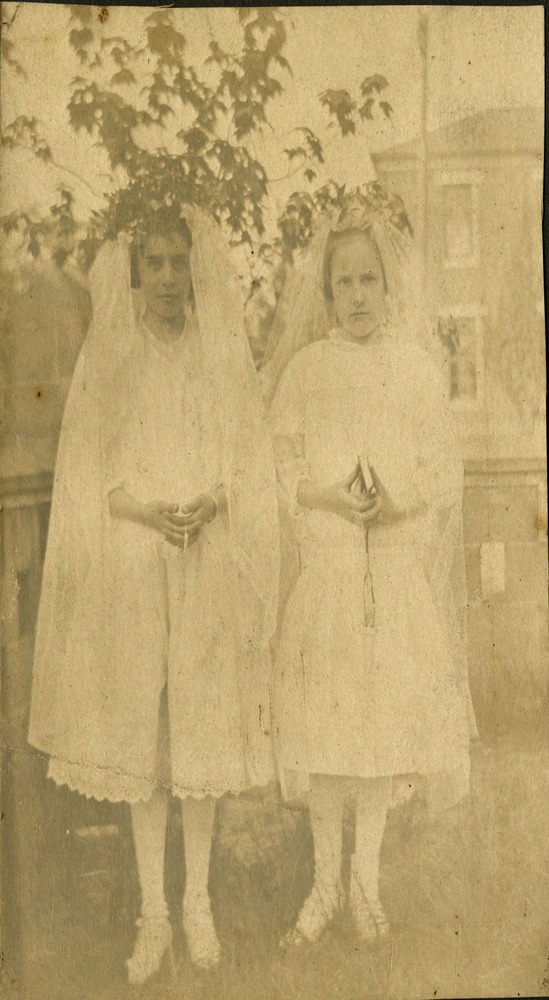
371, 681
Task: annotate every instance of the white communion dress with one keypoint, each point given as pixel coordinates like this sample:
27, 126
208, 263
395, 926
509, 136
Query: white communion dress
359, 692
151, 662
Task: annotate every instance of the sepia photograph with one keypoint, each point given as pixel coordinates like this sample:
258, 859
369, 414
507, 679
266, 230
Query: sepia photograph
274, 675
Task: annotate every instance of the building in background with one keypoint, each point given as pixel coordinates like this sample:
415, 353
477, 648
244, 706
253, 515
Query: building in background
483, 269
483, 285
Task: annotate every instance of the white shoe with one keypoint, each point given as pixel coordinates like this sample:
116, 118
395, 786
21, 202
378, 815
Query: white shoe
154, 940
366, 909
317, 912
202, 940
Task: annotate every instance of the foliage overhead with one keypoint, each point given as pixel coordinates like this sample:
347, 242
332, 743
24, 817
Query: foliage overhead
126, 96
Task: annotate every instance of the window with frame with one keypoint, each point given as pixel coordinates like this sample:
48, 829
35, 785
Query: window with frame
460, 338
459, 209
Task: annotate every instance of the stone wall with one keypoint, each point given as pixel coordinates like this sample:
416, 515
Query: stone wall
505, 524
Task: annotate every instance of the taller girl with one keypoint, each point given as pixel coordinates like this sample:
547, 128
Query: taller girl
151, 668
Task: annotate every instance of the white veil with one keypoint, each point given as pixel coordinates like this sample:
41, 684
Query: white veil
302, 315
73, 570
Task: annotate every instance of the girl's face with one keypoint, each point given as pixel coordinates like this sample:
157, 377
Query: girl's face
165, 274
358, 286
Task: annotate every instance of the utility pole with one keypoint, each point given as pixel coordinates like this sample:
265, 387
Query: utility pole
421, 163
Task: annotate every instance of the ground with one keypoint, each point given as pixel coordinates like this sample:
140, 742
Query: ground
466, 894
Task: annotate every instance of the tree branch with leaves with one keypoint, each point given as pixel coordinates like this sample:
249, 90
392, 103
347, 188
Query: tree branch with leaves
126, 95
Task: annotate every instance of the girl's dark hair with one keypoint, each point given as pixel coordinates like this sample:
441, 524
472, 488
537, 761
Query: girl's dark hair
334, 239
160, 224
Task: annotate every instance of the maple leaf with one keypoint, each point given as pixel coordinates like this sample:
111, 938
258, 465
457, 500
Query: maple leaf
365, 110
314, 144
375, 83
292, 154
341, 105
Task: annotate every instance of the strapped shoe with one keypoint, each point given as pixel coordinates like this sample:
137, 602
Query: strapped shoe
317, 912
202, 941
366, 909
153, 942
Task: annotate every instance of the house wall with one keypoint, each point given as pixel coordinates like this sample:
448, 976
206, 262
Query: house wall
503, 429
505, 526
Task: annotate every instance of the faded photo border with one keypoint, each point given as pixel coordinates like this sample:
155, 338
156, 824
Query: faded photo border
434, 115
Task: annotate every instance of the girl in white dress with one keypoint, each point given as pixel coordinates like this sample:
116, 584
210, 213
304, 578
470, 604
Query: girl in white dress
151, 668
371, 676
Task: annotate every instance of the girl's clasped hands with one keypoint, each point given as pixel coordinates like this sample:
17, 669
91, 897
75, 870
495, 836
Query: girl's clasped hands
349, 499
181, 526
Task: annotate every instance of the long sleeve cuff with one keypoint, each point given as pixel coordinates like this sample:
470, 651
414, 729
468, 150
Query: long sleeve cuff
290, 474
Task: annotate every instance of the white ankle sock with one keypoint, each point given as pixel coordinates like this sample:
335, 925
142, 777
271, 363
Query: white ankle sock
149, 822
198, 820
326, 803
372, 802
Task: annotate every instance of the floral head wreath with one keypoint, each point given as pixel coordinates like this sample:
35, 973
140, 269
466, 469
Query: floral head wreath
382, 215
369, 205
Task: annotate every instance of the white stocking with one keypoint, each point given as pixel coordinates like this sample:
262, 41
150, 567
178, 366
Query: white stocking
326, 803
149, 822
372, 801
198, 820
